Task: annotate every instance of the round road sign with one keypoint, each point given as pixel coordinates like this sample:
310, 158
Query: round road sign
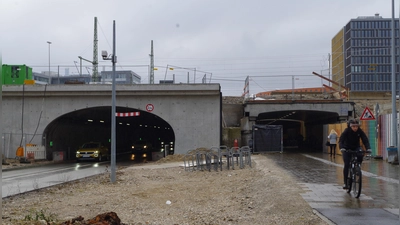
149, 107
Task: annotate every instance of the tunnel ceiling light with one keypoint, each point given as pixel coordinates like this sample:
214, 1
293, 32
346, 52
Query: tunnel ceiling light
128, 124
90, 120
101, 121
120, 123
140, 125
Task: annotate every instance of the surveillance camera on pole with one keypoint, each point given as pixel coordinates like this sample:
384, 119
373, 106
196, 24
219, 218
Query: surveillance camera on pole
104, 54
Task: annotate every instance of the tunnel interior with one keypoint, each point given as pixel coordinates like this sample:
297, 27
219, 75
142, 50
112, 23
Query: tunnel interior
302, 129
69, 131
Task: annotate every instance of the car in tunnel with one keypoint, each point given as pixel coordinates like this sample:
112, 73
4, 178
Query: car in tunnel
141, 150
92, 151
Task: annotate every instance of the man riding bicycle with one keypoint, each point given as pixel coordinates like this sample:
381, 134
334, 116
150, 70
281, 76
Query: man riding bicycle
350, 140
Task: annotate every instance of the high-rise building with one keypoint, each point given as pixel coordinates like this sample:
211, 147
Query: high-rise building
361, 57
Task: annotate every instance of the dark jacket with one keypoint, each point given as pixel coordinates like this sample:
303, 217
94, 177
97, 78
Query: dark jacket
351, 140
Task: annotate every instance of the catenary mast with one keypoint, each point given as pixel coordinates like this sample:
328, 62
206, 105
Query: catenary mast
95, 77
151, 80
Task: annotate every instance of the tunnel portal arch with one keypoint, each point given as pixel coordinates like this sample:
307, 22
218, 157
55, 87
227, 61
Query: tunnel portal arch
69, 131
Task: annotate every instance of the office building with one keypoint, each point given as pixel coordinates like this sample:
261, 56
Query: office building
361, 57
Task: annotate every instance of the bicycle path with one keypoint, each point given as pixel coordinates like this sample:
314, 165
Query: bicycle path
321, 178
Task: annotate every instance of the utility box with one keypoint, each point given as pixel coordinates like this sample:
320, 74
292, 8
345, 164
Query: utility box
392, 155
267, 138
58, 156
15, 74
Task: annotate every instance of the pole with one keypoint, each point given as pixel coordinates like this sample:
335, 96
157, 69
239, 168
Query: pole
394, 110
329, 68
58, 74
80, 66
49, 42
292, 87
165, 76
113, 119
194, 76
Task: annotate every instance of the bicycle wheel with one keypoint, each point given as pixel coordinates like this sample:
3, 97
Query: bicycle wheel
350, 180
357, 182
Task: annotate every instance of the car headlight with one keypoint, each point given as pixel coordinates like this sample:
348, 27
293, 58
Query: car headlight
133, 157
96, 152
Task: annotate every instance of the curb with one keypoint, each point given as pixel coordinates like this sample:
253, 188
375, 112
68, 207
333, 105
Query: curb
324, 218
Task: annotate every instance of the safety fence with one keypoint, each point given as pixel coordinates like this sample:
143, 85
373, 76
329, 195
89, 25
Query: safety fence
35, 152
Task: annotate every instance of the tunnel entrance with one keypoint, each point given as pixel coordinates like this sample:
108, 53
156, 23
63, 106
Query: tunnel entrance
69, 131
302, 129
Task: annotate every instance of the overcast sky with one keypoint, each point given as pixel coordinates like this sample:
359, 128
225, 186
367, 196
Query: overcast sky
271, 41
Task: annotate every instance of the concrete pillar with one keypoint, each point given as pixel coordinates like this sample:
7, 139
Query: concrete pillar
246, 124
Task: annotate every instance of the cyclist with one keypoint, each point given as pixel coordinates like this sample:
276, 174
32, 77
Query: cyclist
350, 140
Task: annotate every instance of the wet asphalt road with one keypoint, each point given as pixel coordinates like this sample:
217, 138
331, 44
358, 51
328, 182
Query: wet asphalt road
20, 180
322, 178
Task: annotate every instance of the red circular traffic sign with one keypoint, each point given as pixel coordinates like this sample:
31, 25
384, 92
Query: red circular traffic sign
149, 107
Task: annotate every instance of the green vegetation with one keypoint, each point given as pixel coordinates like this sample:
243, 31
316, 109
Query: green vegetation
35, 215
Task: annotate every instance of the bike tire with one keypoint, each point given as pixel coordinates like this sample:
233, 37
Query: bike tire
350, 180
357, 182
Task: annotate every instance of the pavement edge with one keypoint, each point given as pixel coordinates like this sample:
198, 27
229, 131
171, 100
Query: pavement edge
324, 218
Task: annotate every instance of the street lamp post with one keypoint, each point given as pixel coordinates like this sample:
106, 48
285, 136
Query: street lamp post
113, 59
49, 42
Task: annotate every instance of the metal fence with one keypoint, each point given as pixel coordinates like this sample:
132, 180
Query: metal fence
11, 141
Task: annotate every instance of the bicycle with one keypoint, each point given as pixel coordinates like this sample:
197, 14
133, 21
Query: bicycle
354, 180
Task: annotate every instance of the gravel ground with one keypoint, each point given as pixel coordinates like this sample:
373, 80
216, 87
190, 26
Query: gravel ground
164, 193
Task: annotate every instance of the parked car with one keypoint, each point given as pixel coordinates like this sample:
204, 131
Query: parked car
141, 150
93, 151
